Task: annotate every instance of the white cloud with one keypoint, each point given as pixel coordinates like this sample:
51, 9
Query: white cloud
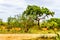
55, 6
20, 3
11, 8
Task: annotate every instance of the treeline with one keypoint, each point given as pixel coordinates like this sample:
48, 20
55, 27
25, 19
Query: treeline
30, 18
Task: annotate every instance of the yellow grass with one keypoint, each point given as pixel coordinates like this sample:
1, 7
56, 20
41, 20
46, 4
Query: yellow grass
20, 36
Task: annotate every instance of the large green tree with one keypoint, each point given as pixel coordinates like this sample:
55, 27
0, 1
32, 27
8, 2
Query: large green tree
37, 13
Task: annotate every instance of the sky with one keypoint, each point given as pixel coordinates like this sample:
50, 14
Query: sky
14, 7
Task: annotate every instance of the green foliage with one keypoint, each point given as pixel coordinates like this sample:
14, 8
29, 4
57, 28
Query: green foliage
57, 20
45, 25
49, 25
13, 22
26, 23
37, 11
54, 24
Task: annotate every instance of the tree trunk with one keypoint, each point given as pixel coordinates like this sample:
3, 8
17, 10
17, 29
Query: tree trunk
26, 29
38, 23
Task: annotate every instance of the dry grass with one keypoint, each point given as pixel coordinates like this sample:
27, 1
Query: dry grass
19, 36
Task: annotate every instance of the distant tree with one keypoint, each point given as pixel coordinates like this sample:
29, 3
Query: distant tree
45, 25
57, 20
49, 25
53, 24
1, 22
14, 21
26, 24
9, 19
11, 22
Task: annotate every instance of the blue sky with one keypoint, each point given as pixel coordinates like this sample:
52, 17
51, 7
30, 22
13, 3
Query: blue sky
14, 7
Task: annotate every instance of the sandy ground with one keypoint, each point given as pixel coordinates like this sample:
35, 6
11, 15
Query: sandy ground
22, 36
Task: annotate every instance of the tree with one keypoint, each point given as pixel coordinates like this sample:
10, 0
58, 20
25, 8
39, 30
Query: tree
26, 23
36, 12
43, 25
49, 25
1, 22
57, 20
53, 24
9, 19
11, 22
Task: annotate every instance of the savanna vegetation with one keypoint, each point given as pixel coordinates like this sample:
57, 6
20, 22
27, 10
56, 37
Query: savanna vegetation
30, 21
